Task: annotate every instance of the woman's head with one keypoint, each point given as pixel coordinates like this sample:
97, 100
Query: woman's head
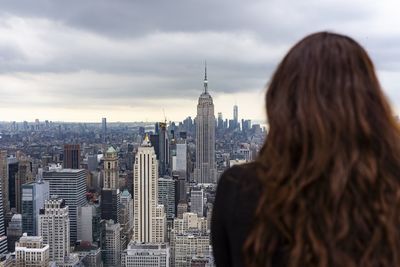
331, 161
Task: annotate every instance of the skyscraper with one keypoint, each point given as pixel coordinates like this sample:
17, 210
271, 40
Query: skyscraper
205, 169
110, 193
70, 185
33, 196
104, 128
112, 244
197, 201
72, 156
166, 195
3, 238
54, 228
111, 169
235, 115
4, 180
149, 216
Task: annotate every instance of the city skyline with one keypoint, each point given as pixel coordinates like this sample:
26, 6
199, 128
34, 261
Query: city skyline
82, 64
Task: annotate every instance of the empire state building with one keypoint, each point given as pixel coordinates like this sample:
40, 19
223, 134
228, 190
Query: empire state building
205, 168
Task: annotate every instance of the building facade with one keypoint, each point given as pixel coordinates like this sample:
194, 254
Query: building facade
32, 251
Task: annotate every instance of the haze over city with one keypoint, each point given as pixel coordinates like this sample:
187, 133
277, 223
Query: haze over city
130, 60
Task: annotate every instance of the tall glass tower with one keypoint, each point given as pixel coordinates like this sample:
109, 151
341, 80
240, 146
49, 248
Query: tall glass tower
205, 168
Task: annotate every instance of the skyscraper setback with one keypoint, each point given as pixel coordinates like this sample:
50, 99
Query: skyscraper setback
149, 216
205, 170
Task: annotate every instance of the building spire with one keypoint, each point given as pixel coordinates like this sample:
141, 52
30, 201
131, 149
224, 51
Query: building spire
205, 78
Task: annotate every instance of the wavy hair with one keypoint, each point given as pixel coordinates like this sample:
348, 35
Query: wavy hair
330, 162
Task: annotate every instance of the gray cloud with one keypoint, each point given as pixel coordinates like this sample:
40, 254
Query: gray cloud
130, 52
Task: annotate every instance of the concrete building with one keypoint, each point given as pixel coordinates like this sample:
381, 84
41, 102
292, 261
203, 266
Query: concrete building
111, 169
88, 224
31, 251
146, 255
34, 195
149, 216
70, 185
54, 228
89, 254
205, 167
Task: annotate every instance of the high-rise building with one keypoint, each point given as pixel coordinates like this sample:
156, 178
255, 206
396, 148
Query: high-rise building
126, 218
110, 193
24, 175
197, 201
54, 228
146, 255
12, 177
160, 143
104, 127
4, 180
181, 163
14, 231
32, 251
166, 195
205, 168
111, 169
235, 115
112, 244
72, 156
149, 216
3, 237
220, 121
70, 185
34, 195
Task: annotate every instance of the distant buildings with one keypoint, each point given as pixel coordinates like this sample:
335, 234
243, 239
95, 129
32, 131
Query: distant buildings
14, 231
197, 201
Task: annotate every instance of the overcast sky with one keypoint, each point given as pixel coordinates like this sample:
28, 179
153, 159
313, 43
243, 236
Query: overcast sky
130, 60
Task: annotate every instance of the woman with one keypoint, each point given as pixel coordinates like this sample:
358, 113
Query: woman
325, 188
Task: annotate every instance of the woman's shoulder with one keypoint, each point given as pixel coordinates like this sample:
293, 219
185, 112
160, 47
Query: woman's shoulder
243, 174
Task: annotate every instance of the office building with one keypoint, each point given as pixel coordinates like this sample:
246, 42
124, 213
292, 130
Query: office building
32, 251
12, 177
54, 228
205, 167
88, 223
197, 201
235, 116
146, 255
112, 244
14, 231
126, 218
3, 237
72, 156
70, 185
89, 254
4, 180
34, 195
166, 195
24, 175
149, 216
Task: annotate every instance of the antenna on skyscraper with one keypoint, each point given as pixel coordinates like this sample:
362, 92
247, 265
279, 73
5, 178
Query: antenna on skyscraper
165, 117
205, 77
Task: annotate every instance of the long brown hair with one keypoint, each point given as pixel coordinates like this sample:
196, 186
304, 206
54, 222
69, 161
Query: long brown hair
331, 162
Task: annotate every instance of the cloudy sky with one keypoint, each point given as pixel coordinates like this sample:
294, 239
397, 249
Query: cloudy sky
130, 60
